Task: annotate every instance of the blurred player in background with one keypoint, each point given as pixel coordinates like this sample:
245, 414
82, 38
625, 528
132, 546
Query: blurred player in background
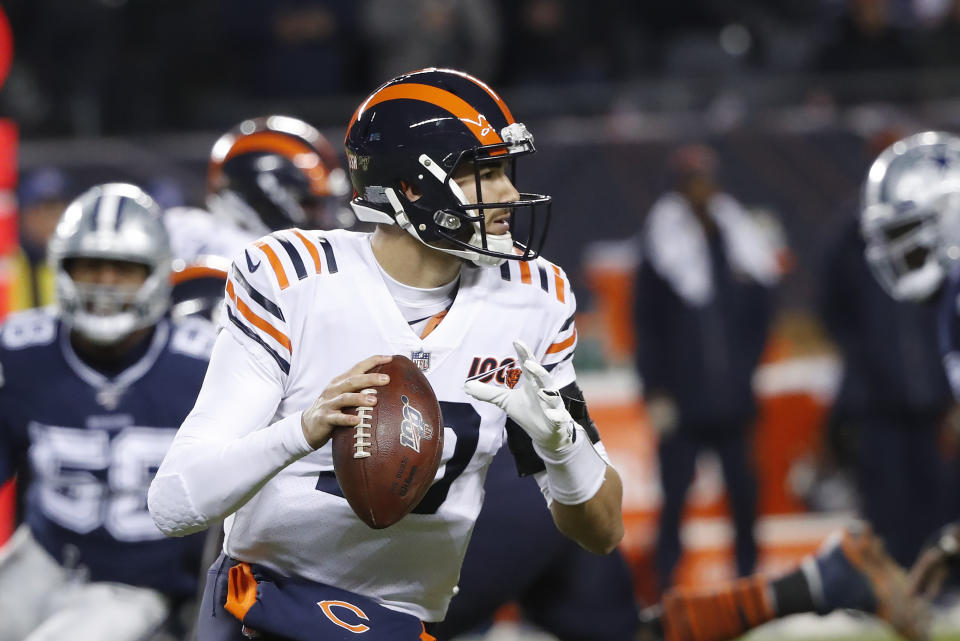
265, 174
910, 219
91, 395
894, 394
451, 275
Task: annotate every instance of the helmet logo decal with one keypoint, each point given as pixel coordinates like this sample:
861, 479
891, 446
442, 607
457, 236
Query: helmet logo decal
478, 123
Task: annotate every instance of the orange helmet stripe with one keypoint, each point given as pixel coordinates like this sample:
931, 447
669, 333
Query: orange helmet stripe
192, 272
272, 141
282, 145
457, 106
490, 92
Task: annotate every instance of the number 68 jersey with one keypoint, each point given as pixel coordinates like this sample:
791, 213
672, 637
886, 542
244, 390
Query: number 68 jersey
87, 445
313, 305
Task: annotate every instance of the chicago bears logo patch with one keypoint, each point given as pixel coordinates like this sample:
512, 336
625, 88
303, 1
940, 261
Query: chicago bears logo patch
356, 628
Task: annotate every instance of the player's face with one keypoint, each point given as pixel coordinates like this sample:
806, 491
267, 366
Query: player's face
107, 272
495, 187
110, 285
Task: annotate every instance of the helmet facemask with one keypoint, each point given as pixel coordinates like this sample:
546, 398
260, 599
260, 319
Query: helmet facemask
443, 216
106, 314
910, 214
903, 254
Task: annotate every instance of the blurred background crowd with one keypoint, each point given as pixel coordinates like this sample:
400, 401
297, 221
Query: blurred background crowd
130, 66
777, 106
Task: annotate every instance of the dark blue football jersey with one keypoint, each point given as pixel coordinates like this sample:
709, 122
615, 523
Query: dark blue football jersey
948, 328
88, 446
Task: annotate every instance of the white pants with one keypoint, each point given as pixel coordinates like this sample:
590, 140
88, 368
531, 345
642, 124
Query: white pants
42, 601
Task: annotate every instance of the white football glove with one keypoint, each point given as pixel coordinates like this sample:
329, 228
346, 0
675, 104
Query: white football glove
534, 404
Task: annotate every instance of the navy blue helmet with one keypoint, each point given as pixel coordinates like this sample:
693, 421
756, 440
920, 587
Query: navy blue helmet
417, 130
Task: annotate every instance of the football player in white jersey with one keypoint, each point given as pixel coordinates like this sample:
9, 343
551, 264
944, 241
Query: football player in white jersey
451, 276
440, 288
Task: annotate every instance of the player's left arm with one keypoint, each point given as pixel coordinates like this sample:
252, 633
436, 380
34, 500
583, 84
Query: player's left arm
597, 523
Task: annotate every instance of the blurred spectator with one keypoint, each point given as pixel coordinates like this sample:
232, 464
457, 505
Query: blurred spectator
42, 195
293, 48
105, 66
941, 45
413, 34
559, 41
703, 313
866, 40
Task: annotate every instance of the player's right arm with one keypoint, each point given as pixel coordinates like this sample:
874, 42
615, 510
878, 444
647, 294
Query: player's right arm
228, 446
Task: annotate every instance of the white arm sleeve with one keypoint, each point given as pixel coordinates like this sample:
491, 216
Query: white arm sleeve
225, 450
543, 478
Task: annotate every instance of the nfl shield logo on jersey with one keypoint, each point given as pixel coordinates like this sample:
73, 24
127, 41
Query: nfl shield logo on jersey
421, 360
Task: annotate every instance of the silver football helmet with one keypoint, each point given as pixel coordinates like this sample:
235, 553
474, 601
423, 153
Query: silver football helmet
115, 221
910, 214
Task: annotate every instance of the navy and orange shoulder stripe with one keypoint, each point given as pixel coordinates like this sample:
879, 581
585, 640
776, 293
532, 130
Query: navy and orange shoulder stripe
259, 318
294, 254
538, 272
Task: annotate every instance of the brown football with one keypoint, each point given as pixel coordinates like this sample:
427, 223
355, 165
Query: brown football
387, 463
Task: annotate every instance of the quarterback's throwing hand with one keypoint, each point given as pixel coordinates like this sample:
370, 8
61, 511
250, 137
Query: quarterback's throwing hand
353, 388
535, 404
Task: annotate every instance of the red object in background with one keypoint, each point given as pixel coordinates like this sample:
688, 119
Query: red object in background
6, 47
8, 201
8, 245
8, 496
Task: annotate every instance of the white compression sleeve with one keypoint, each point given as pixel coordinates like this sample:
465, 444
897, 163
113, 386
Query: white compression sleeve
225, 451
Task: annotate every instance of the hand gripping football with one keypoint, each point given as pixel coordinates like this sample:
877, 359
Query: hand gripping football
387, 463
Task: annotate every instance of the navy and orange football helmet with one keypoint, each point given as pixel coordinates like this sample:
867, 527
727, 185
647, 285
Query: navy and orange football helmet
276, 172
417, 130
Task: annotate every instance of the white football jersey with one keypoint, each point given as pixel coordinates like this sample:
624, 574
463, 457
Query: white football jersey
316, 303
302, 308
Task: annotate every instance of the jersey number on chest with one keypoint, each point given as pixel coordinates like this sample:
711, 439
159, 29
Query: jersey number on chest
88, 480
